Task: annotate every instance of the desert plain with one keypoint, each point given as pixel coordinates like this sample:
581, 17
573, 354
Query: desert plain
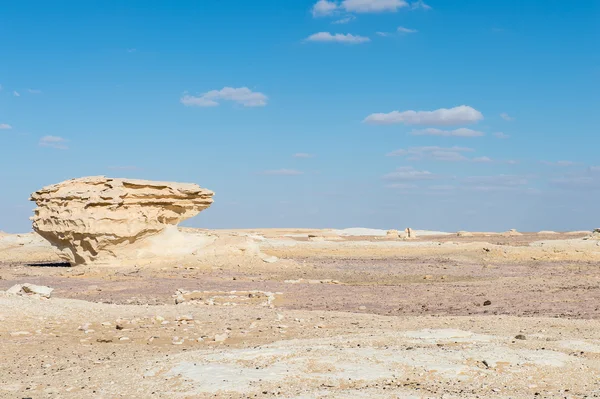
304, 313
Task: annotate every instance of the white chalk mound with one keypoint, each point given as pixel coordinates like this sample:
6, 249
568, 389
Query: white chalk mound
100, 219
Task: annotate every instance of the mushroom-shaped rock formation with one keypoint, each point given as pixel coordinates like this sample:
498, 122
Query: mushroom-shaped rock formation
99, 219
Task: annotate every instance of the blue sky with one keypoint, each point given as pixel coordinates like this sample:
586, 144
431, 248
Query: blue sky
479, 115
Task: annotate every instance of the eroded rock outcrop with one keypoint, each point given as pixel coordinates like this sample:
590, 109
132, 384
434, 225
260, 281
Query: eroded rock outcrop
100, 219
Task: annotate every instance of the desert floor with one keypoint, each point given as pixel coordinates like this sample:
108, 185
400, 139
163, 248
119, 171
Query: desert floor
440, 316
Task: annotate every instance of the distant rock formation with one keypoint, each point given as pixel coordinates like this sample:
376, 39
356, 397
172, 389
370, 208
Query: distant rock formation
94, 219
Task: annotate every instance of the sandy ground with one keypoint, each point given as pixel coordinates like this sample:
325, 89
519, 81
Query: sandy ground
440, 316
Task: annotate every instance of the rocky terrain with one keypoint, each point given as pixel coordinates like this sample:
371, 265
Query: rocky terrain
289, 313
336, 316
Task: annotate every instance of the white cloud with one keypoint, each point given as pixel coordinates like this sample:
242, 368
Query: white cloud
512, 162
34, 91
54, 142
283, 172
338, 37
303, 155
402, 29
419, 4
462, 132
408, 173
442, 117
241, 95
5, 126
367, 6
324, 8
345, 20
16, 94
507, 117
382, 34
131, 50
501, 135
482, 159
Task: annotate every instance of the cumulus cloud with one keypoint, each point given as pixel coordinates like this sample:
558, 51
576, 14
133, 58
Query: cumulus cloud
432, 152
5, 126
16, 94
462, 132
337, 38
415, 5
506, 117
408, 173
345, 20
402, 29
303, 155
54, 142
441, 117
241, 95
482, 159
382, 34
501, 135
373, 6
282, 172
324, 8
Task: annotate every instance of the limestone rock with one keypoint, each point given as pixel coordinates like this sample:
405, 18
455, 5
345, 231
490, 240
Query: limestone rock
464, 234
30, 289
91, 219
511, 233
392, 233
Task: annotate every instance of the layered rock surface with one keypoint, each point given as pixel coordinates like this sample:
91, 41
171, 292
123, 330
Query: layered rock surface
98, 219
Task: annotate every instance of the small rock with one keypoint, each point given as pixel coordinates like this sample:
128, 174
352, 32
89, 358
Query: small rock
487, 303
19, 333
185, 318
124, 339
362, 308
428, 277
521, 337
221, 337
30, 289
270, 259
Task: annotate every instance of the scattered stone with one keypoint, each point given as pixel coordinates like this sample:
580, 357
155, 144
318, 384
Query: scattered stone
19, 333
362, 308
521, 337
428, 277
124, 339
464, 234
104, 340
269, 259
39, 291
185, 318
487, 303
221, 337
392, 234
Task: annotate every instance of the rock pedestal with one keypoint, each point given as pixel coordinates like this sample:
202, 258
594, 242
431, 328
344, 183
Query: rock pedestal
95, 219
